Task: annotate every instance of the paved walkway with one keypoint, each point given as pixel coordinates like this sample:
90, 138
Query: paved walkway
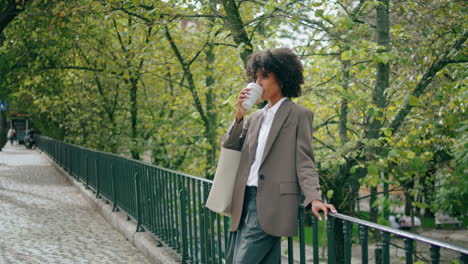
44, 219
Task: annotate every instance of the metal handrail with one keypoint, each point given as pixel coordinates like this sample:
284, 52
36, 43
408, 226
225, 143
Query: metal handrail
133, 160
401, 233
171, 205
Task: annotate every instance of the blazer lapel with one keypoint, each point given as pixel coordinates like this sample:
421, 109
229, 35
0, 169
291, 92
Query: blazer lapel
256, 124
280, 116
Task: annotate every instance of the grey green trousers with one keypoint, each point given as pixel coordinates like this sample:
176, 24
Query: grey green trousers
250, 244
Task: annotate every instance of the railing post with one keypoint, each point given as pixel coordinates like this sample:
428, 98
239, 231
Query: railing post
435, 254
159, 204
172, 241
363, 236
206, 223
409, 250
315, 241
218, 233
164, 205
96, 172
386, 248
212, 236
378, 253
78, 164
463, 259
114, 193
331, 241
202, 222
65, 158
86, 170
137, 199
184, 224
175, 184
290, 250
302, 257
347, 242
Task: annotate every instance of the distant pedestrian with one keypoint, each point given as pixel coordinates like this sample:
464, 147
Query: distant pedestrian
11, 135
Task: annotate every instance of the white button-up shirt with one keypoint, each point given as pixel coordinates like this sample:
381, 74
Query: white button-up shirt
268, 115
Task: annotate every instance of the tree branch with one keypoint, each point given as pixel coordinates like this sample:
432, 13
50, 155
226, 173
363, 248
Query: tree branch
436, 66
74, 68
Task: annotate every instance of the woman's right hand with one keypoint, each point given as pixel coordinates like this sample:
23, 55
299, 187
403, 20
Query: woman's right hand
243, 95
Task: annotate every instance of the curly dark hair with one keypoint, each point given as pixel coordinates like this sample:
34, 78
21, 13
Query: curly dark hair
284, 63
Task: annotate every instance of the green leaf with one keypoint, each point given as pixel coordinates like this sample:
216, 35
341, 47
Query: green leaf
421, 205
346, 55
319, 12
413, 100
387, 132
329, 194
393, 153
384, 58
383, 221
269, 7
374, 180
241, 48
373, 175
231, 100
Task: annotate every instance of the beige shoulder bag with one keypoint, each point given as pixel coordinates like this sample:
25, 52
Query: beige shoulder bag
220, 197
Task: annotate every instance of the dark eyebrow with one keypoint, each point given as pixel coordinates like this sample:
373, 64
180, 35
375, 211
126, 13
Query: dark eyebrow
262, 72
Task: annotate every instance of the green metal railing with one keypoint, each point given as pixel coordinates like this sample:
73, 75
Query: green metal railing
170, 204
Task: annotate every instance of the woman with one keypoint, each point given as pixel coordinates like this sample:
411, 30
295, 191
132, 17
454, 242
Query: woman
277, 162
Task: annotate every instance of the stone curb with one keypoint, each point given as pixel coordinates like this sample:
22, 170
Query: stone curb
147, 243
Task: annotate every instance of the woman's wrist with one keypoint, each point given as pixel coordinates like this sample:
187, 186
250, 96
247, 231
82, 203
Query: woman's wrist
239, 117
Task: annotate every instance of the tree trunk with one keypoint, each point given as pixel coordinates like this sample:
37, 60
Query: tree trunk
408, 202
210, 126
234, 22
343, 201
134, 119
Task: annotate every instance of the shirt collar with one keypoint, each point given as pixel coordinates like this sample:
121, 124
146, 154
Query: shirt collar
275, 107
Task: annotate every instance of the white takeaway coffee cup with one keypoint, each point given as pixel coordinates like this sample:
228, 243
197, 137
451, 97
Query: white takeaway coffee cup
256, 92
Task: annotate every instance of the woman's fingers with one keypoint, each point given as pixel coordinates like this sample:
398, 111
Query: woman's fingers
243, 96
325, 210
316, 213
332, 208
323, 207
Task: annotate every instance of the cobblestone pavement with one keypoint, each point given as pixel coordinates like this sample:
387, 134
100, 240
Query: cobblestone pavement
44, 219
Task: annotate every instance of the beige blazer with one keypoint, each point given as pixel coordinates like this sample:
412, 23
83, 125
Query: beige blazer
287, 171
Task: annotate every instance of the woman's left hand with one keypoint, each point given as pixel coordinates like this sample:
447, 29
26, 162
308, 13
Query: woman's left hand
318, 206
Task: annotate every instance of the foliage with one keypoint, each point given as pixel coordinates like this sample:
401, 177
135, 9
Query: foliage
156, 80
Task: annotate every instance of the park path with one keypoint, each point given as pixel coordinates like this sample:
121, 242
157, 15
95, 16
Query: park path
44, 219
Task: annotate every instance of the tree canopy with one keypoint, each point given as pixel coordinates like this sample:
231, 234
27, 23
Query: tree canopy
158, 80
